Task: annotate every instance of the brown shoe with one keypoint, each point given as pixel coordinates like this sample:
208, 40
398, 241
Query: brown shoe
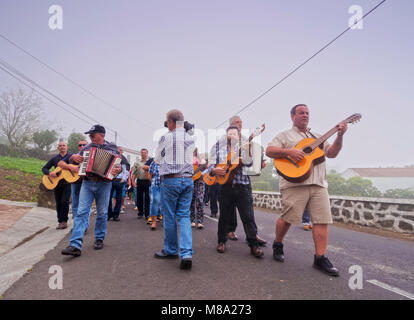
221, 248
64, 225
257, 252
232, 236
153, 223
59, 226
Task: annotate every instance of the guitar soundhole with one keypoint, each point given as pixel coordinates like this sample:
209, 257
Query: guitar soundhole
308, 150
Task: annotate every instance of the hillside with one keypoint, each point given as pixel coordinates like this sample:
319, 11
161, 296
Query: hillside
20, 178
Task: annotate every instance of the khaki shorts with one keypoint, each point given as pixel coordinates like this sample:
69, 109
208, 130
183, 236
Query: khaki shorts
312, 197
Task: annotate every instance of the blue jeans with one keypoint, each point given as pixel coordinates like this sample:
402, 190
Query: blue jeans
306, 217
76, 188
117, 188
176, 195
155, 207
90, 190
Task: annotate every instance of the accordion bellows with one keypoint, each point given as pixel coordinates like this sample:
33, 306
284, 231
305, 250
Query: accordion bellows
99, 162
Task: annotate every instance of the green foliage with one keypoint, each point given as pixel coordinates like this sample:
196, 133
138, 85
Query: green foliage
44, 139
267, 181
12, 178
354, 187
399, 193
28, 165
360, 187
73, 140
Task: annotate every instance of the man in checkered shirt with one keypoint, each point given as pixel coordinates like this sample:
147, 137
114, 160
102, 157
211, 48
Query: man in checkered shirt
236, 193
174, 154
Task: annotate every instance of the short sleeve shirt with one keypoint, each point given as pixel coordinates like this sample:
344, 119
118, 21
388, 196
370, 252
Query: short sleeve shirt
289, 139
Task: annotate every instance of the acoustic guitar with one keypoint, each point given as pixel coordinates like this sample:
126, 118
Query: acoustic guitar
231, 163
51, 183
297, 172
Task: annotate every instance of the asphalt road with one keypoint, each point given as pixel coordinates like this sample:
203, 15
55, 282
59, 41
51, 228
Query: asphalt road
126, 269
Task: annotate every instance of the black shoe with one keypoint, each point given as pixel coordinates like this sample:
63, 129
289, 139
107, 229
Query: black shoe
117, 219
322, 263
186, 264
278, 252
162, 255
71, 251
98, 244
261, 242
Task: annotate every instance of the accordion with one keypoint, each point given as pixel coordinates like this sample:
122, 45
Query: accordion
99, 162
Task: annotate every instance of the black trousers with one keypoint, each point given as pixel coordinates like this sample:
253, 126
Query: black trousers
236, 196
213, 193
62, 194
143, 197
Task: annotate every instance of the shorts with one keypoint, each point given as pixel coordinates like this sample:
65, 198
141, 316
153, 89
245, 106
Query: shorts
314, 198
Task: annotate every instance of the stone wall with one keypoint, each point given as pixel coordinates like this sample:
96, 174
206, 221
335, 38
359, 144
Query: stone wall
390, 214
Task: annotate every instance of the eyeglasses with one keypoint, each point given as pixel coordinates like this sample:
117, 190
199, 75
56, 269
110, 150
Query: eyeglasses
81, 145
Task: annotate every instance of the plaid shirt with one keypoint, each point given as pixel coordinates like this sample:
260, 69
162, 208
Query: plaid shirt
154, 172
219, 155
174, 153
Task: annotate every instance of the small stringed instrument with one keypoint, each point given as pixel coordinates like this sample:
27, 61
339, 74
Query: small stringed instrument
197, 172
297, 172
51, 183
231, 163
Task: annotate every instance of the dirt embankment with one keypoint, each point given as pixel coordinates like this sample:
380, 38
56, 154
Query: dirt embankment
18, 186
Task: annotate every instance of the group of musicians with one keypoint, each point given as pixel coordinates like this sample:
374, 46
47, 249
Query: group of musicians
174, 163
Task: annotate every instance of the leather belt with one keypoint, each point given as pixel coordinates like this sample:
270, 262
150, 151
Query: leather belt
173, 175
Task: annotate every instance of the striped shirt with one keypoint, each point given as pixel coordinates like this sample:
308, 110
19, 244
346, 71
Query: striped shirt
174, 153
219, 155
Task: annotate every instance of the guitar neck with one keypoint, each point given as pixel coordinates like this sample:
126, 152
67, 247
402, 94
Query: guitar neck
323, 138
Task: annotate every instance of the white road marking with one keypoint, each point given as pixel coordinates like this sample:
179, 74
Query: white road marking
393, 289
214, 219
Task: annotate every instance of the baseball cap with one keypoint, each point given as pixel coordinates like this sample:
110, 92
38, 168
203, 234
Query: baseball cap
96, 129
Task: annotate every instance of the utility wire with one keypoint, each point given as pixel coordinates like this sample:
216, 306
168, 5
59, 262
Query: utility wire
6, 67
72, 81
303, 63
44, 96
22, 75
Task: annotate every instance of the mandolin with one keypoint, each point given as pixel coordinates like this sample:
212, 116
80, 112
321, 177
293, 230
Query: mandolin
297, 172
231, 163
197, 172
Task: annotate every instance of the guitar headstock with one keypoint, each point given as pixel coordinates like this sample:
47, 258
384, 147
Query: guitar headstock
258, 131
354, 118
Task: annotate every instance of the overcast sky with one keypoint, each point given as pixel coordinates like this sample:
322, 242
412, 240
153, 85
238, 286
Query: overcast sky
211, 58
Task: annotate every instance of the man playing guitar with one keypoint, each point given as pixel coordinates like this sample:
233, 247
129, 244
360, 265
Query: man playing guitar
237, 193
311, 193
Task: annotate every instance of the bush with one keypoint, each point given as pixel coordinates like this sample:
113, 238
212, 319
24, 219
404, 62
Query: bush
23, 153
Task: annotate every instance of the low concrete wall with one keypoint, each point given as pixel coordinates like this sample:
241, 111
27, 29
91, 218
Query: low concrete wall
390, 214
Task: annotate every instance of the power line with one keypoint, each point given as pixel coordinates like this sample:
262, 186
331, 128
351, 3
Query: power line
71, 81
41, 94
6, 67
303, 63
22, 75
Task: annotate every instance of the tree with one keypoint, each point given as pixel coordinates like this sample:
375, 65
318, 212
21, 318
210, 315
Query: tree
360, 187
399, 193
336, 183
20, 114
45, 138
267, 181
73, 140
